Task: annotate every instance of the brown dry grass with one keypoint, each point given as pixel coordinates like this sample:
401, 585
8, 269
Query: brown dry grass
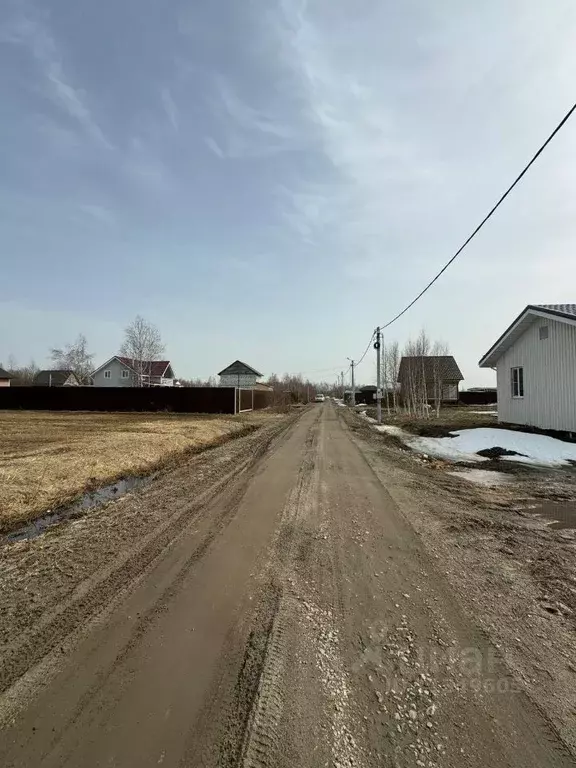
450, 419
47, 459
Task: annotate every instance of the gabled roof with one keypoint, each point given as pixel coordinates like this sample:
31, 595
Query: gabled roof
5, 375
54, 378
443, 366
565, 313
238, 368
157, 367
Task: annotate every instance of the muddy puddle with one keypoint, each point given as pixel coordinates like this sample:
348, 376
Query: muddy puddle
80, 506
561, 514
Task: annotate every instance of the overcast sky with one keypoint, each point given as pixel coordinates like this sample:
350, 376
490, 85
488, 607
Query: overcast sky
270, 179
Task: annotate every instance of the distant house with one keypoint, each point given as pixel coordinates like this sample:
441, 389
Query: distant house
5, 378
123, 372
438, 375
56, 378
239, 375
535, 362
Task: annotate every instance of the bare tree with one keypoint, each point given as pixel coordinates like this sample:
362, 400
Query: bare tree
74, 357
439, 349
414, 382
23, 376
142, 345
392, 366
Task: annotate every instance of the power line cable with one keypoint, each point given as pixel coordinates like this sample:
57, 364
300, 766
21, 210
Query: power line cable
357, 362
485, 219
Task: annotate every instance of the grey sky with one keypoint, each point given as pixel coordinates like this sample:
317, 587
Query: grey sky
270, 180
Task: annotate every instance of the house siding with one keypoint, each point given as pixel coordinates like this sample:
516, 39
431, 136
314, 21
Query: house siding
4, 382
549, 400
450, 390
115, 380
235, 380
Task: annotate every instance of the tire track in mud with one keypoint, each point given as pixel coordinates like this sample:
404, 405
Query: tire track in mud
301, 625
261, 737
92, 597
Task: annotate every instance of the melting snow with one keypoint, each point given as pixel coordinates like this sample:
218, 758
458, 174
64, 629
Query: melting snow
482, 476
536, 449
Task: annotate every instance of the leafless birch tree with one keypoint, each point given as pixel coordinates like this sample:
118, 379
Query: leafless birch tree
142, 345
392, 367
74, 357
414, 379
439, 350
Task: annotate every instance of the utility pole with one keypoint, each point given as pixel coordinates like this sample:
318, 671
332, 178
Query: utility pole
342, 384
377, 346
353, 385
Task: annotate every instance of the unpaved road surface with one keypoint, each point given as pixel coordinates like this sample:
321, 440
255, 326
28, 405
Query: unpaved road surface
291, 618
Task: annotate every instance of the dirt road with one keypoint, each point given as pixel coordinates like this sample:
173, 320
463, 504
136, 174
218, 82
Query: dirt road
297, 621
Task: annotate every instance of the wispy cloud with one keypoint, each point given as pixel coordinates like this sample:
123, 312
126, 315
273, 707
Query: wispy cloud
414, 122
98, 212
32, 31
214, 147
251, 132
143, 165
365, 149
170, 108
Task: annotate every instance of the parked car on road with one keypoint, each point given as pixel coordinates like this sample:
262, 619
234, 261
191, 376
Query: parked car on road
319, 399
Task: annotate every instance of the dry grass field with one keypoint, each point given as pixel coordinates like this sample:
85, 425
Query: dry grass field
47, 459
450, 419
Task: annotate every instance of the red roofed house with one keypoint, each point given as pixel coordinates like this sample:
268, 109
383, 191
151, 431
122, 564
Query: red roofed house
124, 372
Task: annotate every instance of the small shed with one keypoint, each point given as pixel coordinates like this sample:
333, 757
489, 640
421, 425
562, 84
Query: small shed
239, 374
435, 377
56, 378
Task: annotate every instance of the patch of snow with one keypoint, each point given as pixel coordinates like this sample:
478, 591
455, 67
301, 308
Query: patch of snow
442, 447
536, 449
484, 413
390, 429
482, 476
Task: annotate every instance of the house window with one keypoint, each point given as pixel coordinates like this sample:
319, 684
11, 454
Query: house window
107, 374
543, 332
125, 374
517, 382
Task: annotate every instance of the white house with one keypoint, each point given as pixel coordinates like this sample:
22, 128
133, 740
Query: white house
238, 374
535, 362
123, 372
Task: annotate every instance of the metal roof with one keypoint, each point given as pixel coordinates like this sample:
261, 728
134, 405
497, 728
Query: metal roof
54, 378
152, 367
444, 366
238, 368
562, 312
562, 309
157, 367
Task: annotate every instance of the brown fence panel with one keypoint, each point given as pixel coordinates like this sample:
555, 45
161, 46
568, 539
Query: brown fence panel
262, 399
482, 397
174, 399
